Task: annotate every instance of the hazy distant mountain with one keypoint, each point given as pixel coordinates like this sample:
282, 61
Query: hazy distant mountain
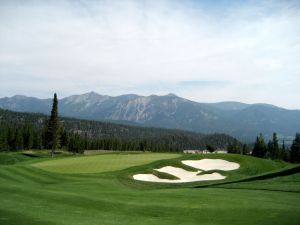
244, 121
230, 105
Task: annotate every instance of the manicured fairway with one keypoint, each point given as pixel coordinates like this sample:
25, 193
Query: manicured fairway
34, 196
101, 163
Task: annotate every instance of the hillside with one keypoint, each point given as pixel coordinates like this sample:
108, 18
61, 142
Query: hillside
96, 129
99, 189
243, 121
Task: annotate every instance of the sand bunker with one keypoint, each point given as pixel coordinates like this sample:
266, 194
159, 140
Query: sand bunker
178, 172
183, 176
188, 176
153, 178
212, 164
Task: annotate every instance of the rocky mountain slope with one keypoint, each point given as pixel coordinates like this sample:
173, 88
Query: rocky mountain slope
244, 121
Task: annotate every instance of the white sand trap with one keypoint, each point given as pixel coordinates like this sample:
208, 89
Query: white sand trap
152, 178
178, 172
212, 164
188, 176
183, 175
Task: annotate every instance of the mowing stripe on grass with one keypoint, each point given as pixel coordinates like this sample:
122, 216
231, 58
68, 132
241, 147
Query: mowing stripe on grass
101, 163
284, 172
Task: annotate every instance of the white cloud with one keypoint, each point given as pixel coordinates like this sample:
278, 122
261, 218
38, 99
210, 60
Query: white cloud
116, 47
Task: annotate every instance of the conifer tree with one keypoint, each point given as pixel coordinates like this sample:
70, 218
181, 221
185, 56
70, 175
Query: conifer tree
275, 142
244, 150
259, 149
85, 141
18, 141
53, 127
10, 138
283, 145
273, 147
3, 141
64, 139
45, 134
28, 137
37, 140
295, 149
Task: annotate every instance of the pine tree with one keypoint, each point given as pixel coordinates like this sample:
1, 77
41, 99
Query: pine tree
275, 142
76, 144
234, 147
274, 150
259, 149
18, 141
37, 140
46, 135
85, 141
3, 141
10, 139
28, 137
283, 145
64, 139
210, 148
295, 149
245, 149
53, 127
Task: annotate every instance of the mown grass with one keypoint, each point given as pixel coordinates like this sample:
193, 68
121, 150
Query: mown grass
30, 196
102, 162
249, 167
12, 158
289, 183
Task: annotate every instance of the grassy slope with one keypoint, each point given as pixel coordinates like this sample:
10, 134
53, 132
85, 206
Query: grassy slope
249, 167
290, 183
101, 163
33, 196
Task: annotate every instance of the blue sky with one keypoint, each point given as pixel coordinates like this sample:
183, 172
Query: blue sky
207, 51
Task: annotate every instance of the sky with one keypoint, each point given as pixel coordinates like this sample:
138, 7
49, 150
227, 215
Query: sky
206, 51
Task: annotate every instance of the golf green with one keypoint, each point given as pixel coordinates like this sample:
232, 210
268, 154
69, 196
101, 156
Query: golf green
36, 191
101, 163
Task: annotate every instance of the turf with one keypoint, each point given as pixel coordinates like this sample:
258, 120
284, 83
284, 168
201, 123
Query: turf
102, 162
249, 167
30, 195
289, 183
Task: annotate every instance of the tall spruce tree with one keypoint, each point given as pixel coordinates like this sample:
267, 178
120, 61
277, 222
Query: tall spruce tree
18, 141
283, 145
28, 137
244, 149
260, 148
295, 149
273, 147
3, 141
53, 127
10, 138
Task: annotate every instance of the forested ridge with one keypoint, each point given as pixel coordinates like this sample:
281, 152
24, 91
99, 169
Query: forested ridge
28, 130
244, 121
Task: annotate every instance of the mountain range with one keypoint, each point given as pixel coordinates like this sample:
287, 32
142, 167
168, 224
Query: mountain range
244, 121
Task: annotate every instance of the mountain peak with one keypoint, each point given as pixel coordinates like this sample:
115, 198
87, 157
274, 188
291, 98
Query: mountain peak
19, 97
86, 98
92, 93
171, 95
169, 111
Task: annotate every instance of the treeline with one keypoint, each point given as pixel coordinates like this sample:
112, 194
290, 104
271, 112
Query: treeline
93, 128
77, 143
24, 131
167, 143
21, 131
77, 135
15, 137
274, 150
